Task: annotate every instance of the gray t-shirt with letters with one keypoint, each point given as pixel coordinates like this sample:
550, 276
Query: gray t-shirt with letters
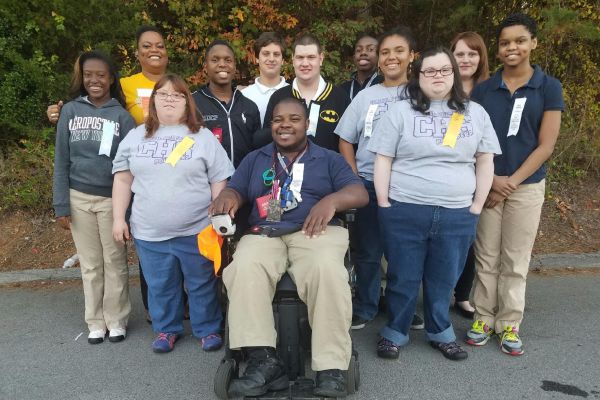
171, 200
424, 171
360, 119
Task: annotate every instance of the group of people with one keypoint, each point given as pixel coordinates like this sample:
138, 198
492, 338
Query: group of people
444, 165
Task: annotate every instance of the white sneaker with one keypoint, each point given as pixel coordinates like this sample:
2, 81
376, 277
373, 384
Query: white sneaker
117, 335
96, 337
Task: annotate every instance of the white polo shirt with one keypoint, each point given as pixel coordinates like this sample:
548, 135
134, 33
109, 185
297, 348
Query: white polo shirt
260, 94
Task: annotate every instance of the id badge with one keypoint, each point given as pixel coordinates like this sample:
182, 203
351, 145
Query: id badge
313, 119
274, 211
515, 116
369, 120
262, 205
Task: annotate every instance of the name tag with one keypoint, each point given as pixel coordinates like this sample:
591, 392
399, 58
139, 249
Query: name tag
313, 117
453, 130
180, 150
297, 179
515, 116
108, 131
369, 119
143, 100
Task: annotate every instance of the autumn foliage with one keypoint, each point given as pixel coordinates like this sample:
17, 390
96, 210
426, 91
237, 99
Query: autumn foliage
39, 42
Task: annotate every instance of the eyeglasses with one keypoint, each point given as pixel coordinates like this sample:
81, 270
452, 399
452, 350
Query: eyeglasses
431, 72
176, 97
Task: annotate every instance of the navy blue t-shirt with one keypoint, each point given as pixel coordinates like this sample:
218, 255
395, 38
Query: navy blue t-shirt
325, 172
543, 93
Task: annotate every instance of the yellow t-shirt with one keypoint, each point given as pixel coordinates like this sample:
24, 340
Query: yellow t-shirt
137, 89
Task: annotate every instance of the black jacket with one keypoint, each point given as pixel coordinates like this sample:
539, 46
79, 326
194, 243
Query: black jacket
333, 102
234, 123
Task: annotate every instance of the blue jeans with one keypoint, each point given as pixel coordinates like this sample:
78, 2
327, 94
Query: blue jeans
368, 251
166, 265
426, 244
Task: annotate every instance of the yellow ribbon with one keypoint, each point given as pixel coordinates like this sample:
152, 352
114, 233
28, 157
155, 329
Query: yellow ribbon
453, 130
180, 150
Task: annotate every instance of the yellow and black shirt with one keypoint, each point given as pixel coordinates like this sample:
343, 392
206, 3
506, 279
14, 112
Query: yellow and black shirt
332, 102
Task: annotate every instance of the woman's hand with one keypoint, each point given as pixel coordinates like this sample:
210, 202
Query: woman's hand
53, 112
493, 199
503, 185
64, 222
475, 209
385, 204
121, 231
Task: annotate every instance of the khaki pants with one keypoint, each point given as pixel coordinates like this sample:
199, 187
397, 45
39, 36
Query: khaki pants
103, 262
505, 237
317, 267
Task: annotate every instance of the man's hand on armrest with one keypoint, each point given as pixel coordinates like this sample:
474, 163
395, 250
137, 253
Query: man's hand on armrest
351, 196
227, 202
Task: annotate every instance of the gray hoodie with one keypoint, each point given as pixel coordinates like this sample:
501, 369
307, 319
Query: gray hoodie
77, 164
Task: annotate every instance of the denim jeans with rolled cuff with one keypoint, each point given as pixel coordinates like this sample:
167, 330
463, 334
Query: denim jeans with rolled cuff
427, 244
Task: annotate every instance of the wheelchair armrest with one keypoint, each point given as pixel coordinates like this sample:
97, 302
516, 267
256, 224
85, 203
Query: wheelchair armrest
347, 216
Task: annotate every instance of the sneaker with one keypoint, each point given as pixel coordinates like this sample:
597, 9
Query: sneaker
97, 336
164, 342
387, 349
117, 335
358, 322
510, 342
330, 383
264, 372
479, 334
452, 351
211, 342
417, 323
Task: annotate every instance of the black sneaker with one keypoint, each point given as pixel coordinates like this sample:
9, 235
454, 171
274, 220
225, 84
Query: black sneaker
330, 383
452, 351
417, 323
387, 349
263, 373
358, 322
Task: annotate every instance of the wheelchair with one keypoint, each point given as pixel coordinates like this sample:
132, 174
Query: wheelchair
293, 339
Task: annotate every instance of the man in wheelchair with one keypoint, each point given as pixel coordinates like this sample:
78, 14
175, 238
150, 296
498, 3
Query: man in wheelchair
295, 187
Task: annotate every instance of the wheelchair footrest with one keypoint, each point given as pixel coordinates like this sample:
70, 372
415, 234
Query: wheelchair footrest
301, 389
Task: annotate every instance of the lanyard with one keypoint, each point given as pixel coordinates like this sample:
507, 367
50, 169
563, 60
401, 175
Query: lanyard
287, 168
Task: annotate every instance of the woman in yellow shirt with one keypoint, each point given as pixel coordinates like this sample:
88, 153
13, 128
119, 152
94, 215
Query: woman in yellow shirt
152, 55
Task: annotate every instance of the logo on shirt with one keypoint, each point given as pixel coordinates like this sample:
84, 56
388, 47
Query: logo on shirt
329, 116
210, 117
160, 148
435, 125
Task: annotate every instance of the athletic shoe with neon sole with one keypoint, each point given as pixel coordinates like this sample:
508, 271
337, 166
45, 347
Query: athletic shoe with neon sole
479, 334
510, 342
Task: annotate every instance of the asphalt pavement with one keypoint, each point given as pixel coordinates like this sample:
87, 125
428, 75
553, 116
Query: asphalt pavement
44, 353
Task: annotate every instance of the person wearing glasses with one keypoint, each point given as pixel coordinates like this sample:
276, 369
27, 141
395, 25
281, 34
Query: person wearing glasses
175, 167
433, 170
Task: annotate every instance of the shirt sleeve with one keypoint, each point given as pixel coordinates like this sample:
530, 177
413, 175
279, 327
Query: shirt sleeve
240, 180
348, 128
121, 161
62, 165
553, 95
489, 140
219, 167
387, 133
340, 172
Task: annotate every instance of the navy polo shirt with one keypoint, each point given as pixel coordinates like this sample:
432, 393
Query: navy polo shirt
325, 172
543, 93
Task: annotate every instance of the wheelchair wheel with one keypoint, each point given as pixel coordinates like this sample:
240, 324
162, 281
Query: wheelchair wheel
223, 377
353, 375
